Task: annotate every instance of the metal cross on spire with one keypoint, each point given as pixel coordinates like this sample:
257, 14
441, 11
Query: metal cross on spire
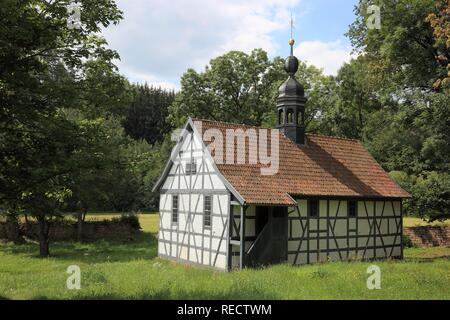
291, 40
292, 26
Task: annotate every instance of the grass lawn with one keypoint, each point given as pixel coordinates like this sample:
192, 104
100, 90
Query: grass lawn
129, 269
417, 222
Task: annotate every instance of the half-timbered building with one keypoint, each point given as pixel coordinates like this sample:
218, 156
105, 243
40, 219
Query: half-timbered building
324, 199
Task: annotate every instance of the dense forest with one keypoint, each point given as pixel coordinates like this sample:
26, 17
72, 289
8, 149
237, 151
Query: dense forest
77, 136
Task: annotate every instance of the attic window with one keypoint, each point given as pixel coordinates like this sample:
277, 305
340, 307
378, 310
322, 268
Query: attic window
352, 208
313, 208
191, 168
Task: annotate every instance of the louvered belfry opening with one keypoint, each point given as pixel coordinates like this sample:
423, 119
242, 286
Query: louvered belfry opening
291, 102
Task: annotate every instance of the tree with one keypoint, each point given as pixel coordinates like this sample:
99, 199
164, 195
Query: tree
146, 117
43, 64
430, 194
235, 87
440, 22
404, 48
242, 88
352, 98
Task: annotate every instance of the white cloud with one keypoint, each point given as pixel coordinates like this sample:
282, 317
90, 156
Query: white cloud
159, 39
329, 56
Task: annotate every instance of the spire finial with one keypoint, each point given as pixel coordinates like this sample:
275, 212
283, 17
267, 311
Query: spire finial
291, 40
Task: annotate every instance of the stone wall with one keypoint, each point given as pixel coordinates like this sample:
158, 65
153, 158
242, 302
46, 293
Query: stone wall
92, 230
428, 236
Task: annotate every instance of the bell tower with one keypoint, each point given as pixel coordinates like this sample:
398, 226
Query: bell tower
291, 102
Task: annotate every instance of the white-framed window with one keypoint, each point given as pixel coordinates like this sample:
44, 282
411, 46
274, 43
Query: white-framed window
207, 212
174, 209
191, 167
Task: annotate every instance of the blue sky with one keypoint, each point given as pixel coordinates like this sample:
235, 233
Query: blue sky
158, 40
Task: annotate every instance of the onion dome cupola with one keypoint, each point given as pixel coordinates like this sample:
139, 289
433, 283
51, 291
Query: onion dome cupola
291, 102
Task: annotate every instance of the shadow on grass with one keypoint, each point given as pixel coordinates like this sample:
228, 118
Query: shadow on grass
141, 246
181, 294
426, 259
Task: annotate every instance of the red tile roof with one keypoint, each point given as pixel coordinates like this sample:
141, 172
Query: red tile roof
325, 166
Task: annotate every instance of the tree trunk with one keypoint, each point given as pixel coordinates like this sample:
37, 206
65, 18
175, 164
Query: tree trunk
81, 217
12, 229
44, 228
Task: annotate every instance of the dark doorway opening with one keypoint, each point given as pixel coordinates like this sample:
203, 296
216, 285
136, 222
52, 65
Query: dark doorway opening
262, 217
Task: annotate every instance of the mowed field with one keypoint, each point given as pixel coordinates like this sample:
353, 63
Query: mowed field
129, 269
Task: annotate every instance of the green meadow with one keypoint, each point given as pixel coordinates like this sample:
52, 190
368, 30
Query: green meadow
129, 269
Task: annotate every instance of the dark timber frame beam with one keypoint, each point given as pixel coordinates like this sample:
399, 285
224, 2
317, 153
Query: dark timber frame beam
242, 238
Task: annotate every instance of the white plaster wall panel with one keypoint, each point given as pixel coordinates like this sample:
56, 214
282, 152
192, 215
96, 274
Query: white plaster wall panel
333, 208
193, 254
340, 228
323, 224
383, 225
313, 223
323, 257
343, 209
166, 235
173, 169
168, 183
293, 245
363, 227
342, 243
397, 252
334, 256
217, 183
183, 252
181, 225
379, 208
389, 240
397, 208
297, 229
352, 223
184, 183
206, 257
388, 209
392, 226
161, 248
323, 208
197, 182
381, 253
221, 261
197, 154
197, 203
292, 213
197, 223
352, 243
323, 244
208, 165
361, 209
183, 203
291, 259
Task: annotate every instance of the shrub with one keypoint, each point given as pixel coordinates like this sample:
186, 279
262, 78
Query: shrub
407, 242
131, 219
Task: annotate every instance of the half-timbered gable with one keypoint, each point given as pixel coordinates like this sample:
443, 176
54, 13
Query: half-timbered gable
194, 206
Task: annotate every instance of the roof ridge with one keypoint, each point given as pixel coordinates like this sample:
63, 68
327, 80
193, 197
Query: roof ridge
332, 137
259, 127
230, 123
